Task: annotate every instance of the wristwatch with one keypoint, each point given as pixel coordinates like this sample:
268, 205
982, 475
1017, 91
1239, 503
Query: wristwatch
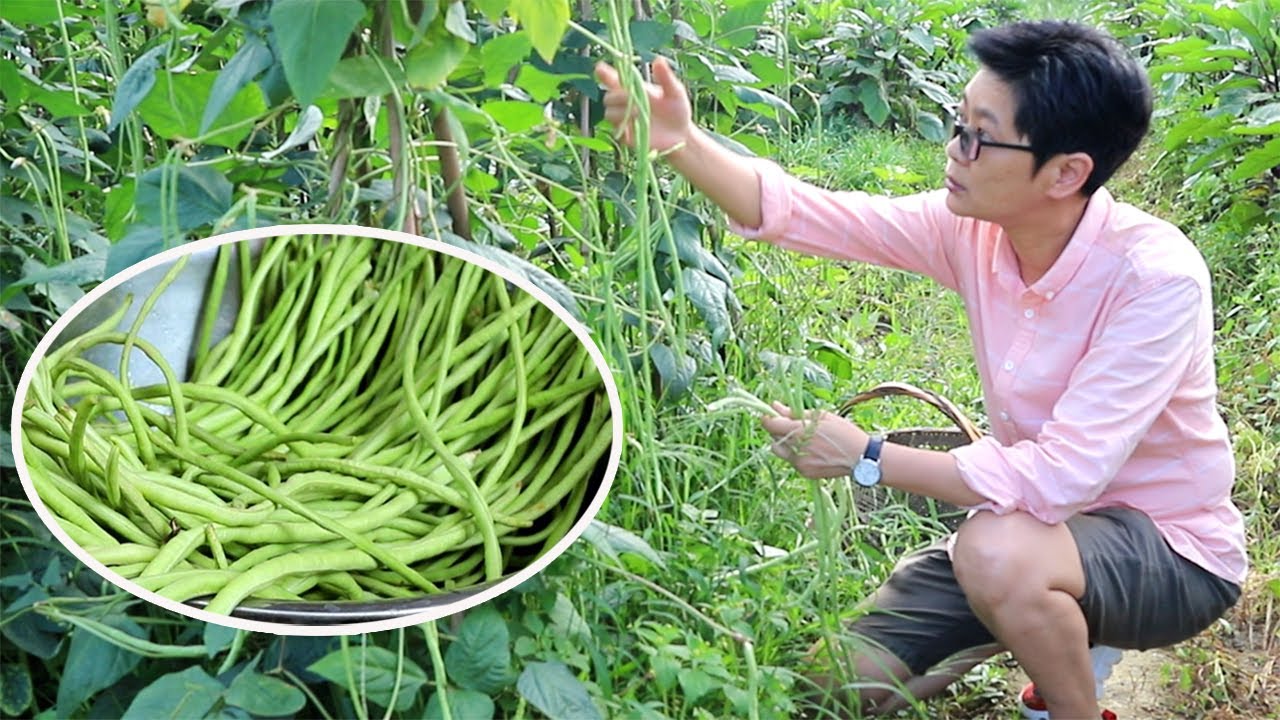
867, 470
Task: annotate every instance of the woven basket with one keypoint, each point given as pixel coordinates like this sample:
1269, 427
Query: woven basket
878, 500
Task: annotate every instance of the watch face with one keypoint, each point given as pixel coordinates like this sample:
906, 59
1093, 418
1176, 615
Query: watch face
866, 473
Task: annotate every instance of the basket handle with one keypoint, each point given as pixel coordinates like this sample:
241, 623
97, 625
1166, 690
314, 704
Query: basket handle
947, 407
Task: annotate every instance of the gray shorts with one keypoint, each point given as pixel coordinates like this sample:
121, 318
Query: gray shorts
1139, 594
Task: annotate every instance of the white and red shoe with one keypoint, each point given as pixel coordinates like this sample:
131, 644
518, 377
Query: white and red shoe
1103, 659
1033, 707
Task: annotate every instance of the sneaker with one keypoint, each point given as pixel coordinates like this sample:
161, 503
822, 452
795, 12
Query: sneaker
1103, 659
1033, 707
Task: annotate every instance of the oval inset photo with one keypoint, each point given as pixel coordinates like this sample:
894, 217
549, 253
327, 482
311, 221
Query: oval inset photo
317, 429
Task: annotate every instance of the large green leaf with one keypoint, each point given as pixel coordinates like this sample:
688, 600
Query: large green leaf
710, 297
545, 21
429, 63
312, 35
93, 664
139, 242
871, 96
175, 107
250, 60
189, 693
480, 658
502, 53
677, 371
554, 691
1257, 161
201, 195
218, 637
135, 85
362, 76
467, 704
374, 671
513, 115
264, 695
613, 541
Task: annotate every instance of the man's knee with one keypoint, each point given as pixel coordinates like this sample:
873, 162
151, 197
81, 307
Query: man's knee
998, 558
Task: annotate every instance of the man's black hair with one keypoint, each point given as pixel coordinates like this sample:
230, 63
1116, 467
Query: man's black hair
1076, 90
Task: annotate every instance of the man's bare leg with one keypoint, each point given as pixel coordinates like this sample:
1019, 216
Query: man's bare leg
1022, 578
882, 683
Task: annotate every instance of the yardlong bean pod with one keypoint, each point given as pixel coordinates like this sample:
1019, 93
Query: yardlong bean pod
382, 421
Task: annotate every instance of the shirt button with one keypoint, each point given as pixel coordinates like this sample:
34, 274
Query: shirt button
1049, 294
1008, 364
1004, 415
1029, 313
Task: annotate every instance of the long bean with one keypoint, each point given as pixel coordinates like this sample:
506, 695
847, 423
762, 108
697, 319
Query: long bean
382, 421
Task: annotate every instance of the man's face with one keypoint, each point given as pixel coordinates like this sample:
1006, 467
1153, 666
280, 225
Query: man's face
998, 186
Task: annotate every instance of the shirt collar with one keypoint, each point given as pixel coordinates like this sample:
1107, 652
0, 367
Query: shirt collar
1087, 231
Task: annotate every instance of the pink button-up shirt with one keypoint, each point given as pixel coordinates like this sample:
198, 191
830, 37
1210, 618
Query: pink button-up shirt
1098, 378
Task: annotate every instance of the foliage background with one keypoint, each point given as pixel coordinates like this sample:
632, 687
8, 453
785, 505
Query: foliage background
128, 127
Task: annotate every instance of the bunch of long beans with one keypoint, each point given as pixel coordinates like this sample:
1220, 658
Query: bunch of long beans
383, 421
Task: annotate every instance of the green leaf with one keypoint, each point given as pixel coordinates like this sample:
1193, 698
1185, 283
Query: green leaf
201, 195
1257, 161
554, 691
541, 86
1264, 120
312, 35
374, 671
695, 684
175, 107
309, 122
647, 36
513, 115
545, 21
502, 53
79, 270
931, 127
250, 60
871, 96
480, 659
15, 688
429, 63
139, 243
6, 453
492, 9
455, 21
218, 638
541, 279
613, 541
29, 13
763, 97
676, 371
361, 76
709, 298
264, 695
189, 693
467, 704
921, 38
135, 85
94, 664
739, 26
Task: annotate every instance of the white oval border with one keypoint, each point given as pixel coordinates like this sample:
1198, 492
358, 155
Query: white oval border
432, 613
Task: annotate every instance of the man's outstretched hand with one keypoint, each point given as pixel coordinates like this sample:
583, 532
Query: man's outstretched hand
819, 446
670, 114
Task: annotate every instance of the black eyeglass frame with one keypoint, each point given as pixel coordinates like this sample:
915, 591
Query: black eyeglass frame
969, 138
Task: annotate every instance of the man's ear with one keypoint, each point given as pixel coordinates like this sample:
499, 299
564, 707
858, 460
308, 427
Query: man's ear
1069, 174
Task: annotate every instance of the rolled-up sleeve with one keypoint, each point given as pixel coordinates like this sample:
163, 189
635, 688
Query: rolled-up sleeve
916, 233
1113, 396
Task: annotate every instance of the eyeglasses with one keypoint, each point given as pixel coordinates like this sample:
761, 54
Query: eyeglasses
971, 143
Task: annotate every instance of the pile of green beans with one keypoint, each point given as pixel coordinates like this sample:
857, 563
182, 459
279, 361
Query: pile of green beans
382, 422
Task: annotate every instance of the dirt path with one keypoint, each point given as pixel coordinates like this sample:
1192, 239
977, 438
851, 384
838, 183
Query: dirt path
1134, 688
